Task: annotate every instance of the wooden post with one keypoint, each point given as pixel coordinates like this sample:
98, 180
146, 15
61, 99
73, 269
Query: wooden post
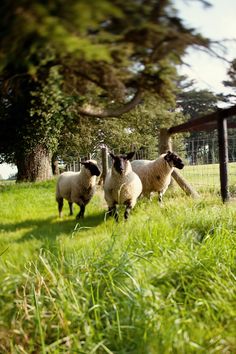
165, 142
184, 185
223, 158
79, 165
104, 164
166, 145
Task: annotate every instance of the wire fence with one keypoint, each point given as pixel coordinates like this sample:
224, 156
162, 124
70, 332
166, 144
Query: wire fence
201, 157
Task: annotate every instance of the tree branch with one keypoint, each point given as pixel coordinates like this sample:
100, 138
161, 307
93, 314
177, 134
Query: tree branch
92, 111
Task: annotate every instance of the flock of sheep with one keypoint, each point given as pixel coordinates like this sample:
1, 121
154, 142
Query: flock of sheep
124, 183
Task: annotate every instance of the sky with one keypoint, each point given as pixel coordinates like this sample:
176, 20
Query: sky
217, 23
6, 170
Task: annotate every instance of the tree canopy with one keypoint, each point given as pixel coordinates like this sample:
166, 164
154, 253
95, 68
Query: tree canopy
61, 61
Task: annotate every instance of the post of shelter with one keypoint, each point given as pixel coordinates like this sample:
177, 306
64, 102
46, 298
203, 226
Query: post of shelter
223, 158
165, 142
104, 164
184, 185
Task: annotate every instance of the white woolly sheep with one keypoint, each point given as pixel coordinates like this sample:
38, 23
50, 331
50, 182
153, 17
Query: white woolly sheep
77, 187
122, 186
156, 174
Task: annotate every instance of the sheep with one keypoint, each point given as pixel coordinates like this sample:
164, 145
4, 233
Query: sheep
77, 187
156, 174
122, 186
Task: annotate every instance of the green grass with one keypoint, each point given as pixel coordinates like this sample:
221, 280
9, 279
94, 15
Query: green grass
162, 282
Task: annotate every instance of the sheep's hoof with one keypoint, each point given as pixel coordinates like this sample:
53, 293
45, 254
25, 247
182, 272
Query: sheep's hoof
79, 216
126, 215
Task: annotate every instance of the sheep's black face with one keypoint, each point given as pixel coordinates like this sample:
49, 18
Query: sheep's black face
93, 168
120, 162
174, 160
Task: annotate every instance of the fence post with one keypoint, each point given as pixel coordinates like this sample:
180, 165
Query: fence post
223, 158
184, 185
104, 164
165, 142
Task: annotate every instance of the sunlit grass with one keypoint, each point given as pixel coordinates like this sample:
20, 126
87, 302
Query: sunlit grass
162, 282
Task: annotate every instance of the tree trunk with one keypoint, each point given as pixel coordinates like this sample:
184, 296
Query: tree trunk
34, 166
55, 166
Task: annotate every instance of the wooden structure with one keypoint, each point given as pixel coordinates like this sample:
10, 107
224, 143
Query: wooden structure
216, 120
165, 144
104, 165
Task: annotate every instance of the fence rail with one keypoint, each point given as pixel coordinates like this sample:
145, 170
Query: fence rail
211, 121
214, 152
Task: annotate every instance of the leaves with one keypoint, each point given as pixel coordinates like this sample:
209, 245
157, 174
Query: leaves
57, 57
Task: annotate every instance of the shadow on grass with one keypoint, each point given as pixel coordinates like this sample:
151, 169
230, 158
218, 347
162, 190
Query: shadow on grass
49, 229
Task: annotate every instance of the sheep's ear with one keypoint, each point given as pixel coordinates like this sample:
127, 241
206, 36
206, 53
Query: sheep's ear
167, 156
130, 155
84, 163
112, 155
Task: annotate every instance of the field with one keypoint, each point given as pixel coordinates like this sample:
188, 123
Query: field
162, 282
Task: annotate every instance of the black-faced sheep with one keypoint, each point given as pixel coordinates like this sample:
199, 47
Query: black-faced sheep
77, 187
122, 186
156, 174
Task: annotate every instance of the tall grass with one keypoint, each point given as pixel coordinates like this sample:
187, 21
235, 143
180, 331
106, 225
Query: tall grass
162, 282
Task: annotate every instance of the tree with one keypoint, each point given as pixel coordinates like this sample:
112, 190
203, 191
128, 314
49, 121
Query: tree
61, 61
193, 104
138, 129
232, 75
231, 82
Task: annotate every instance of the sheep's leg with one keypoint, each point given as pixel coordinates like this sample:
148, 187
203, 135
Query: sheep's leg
116, 215
127, 209
112, 211
71, 208
80, 215
160, 197
60, 206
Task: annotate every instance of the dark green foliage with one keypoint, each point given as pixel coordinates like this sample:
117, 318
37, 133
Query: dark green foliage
137, 129
202, 145
58, 56
232, 75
